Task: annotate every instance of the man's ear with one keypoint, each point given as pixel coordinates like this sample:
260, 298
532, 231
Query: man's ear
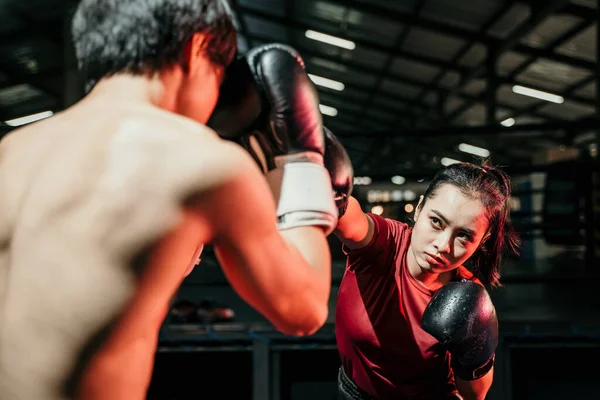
194, 52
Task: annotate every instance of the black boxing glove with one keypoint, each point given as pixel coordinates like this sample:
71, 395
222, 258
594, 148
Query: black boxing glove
340, 169
270, 106
462, 317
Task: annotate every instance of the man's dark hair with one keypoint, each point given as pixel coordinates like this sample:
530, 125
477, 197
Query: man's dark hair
144, 36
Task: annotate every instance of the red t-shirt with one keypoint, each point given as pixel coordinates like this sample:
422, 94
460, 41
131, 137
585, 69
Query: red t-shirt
382, 346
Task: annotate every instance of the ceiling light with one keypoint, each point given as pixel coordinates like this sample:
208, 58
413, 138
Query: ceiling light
377, 210
29, 118
332, 112
508, 122
332, 40
328, 83
398, 180
449, 161
362, 180
478, 151
538, 94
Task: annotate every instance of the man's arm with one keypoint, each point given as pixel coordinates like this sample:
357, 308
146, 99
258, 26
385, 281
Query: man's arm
286, 276
477, 389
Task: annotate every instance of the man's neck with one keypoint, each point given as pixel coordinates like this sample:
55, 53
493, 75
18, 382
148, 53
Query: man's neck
150, 89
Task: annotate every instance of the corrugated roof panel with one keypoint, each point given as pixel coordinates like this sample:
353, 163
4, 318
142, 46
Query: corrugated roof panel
401, 89
551, 75
588, 91
421, 72
508, 61
431, 98
569, 110
368, 57
475, 87
322, 66
461, 13
429, 43
475, 115
349, 22
581, 46
550, 29
390, 103
402, 6
381, 116
449, 80
587, 3
474, 56
511, 20
453, 103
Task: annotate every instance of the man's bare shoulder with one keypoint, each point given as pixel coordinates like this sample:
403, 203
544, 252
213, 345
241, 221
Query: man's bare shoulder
182, 146
152, 125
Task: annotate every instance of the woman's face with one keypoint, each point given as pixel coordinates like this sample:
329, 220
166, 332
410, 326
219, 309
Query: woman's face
448, 229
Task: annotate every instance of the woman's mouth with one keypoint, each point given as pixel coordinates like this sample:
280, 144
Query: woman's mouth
433, 260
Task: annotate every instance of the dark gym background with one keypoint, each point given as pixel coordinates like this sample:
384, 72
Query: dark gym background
420, 78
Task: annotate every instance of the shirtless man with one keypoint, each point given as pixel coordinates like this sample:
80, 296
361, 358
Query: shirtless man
104, 206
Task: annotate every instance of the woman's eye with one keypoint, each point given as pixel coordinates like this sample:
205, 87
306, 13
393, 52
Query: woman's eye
465, 237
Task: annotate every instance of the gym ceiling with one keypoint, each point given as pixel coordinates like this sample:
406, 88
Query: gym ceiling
406, 84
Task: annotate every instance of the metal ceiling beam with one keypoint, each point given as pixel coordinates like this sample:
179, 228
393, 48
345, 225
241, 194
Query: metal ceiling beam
567, 94
306, 52
472, 36
578, 28
375, 71
412, 153
491, 21
427, 86
579, 11
524, 29
413, 175
586, 124
368, 44
550, 55
520, 48
423, 109
428, 24
351, 111
366, 104
566, 36
390, 60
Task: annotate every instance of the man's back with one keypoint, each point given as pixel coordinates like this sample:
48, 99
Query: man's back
84, 196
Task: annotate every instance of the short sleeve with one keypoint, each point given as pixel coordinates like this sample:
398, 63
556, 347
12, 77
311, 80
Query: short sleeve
381, 251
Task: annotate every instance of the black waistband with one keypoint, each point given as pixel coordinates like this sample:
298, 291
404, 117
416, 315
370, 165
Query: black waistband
347, 389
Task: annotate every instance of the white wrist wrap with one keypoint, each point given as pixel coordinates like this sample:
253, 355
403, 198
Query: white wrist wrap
304, 196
